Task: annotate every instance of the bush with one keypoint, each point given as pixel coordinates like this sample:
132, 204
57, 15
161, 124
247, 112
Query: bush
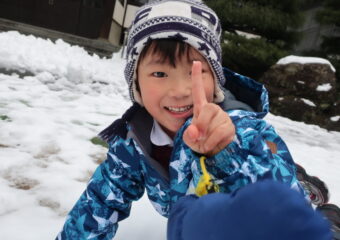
250, 57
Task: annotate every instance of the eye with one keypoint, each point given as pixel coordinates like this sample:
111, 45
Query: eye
159, 74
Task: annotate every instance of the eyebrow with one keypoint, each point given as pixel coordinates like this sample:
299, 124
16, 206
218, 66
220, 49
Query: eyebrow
160, 61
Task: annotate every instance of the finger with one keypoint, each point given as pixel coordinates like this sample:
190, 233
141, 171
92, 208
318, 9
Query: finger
190, 137
210, 117
219, 117
191, 134
198, 93
219, 138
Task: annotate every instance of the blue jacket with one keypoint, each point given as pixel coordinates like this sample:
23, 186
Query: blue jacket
277, 212
129, 169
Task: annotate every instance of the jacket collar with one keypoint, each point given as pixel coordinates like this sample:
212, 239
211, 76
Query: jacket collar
246, 91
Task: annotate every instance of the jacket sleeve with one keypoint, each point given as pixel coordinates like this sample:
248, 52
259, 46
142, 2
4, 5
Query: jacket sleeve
108, 196
257, 153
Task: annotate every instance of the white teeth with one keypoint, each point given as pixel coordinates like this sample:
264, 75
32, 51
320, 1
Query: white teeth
179, 109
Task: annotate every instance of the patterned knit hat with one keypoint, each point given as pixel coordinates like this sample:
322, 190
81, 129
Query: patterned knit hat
188, 21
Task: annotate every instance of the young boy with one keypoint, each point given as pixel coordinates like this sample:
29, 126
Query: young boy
181, 112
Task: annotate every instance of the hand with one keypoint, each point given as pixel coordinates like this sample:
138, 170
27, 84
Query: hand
211, 129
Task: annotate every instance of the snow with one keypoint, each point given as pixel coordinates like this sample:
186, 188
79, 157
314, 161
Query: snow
335, 118
248, 35
58, 99
324, 87
305, 60
308, 102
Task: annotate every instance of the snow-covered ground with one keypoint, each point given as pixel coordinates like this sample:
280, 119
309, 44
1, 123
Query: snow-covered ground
57, 100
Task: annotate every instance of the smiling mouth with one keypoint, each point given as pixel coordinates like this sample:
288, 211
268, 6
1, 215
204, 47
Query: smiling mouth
179, 109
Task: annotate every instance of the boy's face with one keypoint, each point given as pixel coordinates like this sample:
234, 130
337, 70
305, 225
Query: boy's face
166, 90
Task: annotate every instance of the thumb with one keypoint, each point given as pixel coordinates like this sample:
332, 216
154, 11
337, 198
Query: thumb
191, 135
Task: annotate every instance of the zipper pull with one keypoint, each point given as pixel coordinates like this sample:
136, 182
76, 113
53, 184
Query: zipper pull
206, 183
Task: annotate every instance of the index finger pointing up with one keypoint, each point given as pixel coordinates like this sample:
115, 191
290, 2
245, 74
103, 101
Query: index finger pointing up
198, 94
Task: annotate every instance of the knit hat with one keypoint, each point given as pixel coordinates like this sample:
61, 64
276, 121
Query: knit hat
188, 21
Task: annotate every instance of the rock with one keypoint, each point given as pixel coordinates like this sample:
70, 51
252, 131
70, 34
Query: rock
334, 120
304, 92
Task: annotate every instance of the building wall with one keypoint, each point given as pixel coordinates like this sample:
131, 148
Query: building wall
105, 19
130, 13
115, 33
118, 12
123, 15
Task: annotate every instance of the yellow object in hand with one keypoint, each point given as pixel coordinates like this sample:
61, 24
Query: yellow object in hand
205, 184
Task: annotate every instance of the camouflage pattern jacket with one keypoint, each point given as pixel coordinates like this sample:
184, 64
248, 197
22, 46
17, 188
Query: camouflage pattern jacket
256, 153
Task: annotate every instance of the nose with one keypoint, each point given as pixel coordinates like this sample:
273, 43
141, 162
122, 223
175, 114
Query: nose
180, 87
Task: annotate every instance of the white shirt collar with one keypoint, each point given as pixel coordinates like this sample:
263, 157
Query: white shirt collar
158, 137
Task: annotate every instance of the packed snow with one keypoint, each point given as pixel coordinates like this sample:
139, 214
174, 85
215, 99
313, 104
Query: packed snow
55, 98
335, 118
308, 102
324, 87
305, 60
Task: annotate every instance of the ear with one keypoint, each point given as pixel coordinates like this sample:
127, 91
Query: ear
137, 86
137, 92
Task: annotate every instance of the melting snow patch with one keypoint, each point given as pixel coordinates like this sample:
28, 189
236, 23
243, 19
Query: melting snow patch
335, 118
308, 102
324, 87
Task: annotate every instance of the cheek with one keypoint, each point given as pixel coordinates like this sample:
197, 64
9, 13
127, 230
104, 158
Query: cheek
150, 93
148, 87
209, 87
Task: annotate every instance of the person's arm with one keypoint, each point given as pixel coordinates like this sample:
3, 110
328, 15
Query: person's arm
260, 152
108, 196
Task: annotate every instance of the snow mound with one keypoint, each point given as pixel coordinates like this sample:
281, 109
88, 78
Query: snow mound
304, 60
60, 65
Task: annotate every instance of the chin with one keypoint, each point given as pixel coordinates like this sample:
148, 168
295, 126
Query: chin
171, 131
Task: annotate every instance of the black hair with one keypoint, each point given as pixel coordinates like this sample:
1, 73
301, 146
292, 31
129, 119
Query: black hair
168, 49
